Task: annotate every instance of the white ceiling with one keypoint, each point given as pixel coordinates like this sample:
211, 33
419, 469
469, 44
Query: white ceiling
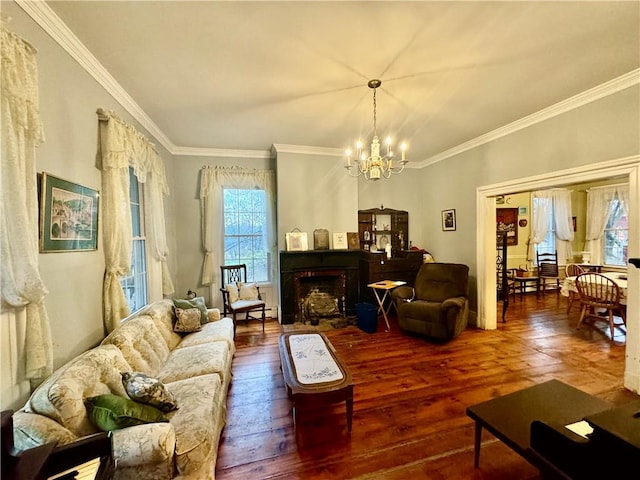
246, 75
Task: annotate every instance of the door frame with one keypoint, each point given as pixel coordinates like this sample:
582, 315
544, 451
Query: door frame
485, 248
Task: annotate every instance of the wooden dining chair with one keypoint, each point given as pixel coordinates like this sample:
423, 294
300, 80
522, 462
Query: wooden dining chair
572, 270
548, 269
599, 292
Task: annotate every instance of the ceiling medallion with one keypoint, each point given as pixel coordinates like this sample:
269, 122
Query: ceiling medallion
371, 164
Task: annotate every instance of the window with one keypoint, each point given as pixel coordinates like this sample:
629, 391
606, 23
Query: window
135, 285
245, 231
548, 245
616, 236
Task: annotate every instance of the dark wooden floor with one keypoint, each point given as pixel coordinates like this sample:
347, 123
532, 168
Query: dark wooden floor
410, 398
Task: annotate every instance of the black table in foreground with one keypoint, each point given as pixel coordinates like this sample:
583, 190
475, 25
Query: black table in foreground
509, 417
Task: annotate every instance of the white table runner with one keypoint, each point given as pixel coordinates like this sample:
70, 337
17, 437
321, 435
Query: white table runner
312, 360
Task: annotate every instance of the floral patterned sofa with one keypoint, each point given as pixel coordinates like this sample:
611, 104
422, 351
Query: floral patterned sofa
194, 367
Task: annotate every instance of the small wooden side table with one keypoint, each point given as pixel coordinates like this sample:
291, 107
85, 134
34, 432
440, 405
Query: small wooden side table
522, 284
386, 286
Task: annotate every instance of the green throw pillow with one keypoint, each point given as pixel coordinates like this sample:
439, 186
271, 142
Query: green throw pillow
198, 303
113, 412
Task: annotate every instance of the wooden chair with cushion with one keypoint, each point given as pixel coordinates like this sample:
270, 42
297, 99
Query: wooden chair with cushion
572, 270
599, 292
548, 269
240, 297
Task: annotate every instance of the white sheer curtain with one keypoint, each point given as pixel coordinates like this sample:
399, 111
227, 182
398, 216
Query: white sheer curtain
121, 146
563, 224
23, 290
212, 181
557, 202
542, 208
598, 205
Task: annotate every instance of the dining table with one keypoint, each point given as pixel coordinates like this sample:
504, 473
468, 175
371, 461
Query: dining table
620, 278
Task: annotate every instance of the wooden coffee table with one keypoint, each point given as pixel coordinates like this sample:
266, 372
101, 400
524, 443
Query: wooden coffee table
328, 382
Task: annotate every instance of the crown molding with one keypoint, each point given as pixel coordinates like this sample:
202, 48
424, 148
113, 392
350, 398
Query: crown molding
47, 19
608, 88
221, 152
307, 150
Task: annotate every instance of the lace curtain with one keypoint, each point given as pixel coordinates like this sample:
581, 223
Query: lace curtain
212, 180
121, 146
558, 202
599, 201
23, 290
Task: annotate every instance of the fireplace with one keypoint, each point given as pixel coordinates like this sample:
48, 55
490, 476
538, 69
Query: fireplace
319, 294
318, 283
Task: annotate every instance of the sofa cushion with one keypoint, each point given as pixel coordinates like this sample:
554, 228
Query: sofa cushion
112, 412
61, 396
197, 427
187, 321
145, 389
141, 344
220, 331
31, 430
163, 315
197, 302
190, 362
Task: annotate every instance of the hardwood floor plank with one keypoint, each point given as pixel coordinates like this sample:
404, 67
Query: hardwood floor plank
410, 398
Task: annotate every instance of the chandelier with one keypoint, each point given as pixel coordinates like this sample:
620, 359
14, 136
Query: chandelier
371, 164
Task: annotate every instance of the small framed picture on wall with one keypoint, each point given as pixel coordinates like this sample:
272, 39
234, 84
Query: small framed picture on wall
448, 220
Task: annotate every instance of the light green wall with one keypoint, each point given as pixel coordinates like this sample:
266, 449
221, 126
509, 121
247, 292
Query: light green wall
605, 129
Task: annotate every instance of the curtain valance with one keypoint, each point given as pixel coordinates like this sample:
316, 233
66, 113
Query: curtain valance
122, 145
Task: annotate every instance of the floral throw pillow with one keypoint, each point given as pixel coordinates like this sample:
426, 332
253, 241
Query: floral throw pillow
248, 291
148, 390
187, 320
197, 302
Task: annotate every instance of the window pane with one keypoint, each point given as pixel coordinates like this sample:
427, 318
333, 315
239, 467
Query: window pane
616, 236
135, 285
245, 231
135, 220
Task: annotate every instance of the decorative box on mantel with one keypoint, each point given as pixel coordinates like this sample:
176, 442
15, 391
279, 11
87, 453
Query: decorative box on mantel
332, 271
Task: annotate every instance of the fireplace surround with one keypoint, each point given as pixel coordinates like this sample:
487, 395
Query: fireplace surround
330, 274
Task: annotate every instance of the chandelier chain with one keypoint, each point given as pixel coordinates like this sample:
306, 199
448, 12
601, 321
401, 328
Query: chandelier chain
375, 122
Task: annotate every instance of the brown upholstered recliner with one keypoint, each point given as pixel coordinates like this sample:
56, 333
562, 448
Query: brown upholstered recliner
437, 306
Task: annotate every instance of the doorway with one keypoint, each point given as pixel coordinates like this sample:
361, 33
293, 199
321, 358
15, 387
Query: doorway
485, 250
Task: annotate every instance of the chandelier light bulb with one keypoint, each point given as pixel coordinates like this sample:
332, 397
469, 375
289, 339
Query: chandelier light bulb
373, 165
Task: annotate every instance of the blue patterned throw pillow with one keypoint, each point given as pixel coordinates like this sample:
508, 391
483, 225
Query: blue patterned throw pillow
148, 390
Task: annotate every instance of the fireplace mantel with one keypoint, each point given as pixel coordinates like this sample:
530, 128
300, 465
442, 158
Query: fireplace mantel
317, 260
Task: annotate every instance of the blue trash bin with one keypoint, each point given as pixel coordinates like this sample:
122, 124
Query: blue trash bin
367, 320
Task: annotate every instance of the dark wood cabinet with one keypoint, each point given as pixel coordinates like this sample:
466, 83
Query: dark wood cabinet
379, 226
375, 267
